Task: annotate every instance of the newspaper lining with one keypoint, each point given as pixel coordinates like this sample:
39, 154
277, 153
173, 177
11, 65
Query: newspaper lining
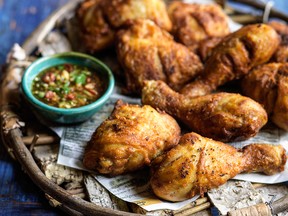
241, 194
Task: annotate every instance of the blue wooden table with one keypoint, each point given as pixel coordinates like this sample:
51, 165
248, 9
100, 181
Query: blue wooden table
18, 18
18, 194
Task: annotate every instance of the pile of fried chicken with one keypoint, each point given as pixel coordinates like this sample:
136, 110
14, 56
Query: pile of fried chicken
178, 58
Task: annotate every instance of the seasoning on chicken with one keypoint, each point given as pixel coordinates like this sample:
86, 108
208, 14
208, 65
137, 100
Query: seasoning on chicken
221, 116
198, 164
193, 23
234, 57
281, 54
95, 32
119, 12
99, 20
206, 47
129, 139
147, 52
268, 84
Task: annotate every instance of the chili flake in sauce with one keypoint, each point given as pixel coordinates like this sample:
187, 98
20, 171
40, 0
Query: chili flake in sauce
68, 86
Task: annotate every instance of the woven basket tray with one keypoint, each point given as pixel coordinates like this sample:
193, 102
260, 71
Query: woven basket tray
21, 141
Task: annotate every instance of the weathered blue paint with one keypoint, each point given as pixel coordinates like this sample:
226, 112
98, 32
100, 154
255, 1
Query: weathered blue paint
18, 194
19, 18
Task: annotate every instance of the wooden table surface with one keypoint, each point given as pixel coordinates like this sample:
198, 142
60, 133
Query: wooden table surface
18, 194
18, 18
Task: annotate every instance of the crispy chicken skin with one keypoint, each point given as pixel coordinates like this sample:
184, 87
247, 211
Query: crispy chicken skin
193, 23
129, 139
198, 164
119, 12
146, 52
234, 57
281, 54
222, 116
206, 47
268, 84
99, 20
95, 32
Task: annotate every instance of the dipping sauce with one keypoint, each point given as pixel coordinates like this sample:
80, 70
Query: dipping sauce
68, 86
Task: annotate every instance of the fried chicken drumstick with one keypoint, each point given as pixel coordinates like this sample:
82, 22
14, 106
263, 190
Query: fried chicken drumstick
268, 84
146, 52
234, 57
198, 164
129, 139
222, 116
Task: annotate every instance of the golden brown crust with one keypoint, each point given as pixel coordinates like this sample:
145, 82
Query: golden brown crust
193, 23
268, 159
129, 139
268, 84
99, 20
234, 57
206, 46
96, 33
221, 116
198, 164
281, 54
119, 12
193, 167
280, 28
147, 52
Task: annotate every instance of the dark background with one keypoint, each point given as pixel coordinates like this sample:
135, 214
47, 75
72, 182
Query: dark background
18, 18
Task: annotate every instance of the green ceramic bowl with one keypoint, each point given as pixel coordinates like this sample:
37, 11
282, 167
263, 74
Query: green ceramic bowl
62, 115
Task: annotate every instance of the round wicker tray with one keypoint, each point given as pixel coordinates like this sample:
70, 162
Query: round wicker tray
12, 122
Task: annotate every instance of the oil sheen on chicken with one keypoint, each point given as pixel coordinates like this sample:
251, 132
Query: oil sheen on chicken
198, 164
220, 116
99, 20
119, 12
146, 52
95, 32
234, 57
193, 23
129, 139
281, 54
268, 84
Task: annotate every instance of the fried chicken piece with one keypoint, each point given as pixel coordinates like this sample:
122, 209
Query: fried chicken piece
119, 12
146, 52
234, 57
96, 33
281, 54
129, 139
268, 84
222, 116
193, 23
198, 164
99, 20
206, 46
